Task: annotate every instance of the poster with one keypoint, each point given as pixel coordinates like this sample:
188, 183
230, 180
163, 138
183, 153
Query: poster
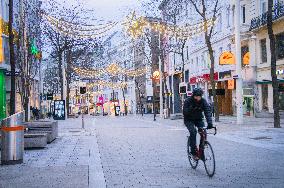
59, 110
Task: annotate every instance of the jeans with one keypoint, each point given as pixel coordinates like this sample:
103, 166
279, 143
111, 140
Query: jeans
190, 125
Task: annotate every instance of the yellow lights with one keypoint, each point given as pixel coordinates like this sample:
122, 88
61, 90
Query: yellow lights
5, 30
78, 30
106, 84
135, 27
1, 43
156, 75
113, 70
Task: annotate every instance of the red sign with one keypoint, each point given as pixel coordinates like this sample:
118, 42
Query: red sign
192, 80
207, 76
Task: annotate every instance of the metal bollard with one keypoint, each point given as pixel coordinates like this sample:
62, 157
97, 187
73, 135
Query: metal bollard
12, 132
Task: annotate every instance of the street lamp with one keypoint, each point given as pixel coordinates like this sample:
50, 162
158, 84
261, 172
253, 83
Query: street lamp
155, 78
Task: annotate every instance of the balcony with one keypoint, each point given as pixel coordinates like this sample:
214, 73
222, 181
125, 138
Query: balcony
257, 22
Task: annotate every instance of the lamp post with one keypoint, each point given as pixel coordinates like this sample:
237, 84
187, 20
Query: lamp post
239, 81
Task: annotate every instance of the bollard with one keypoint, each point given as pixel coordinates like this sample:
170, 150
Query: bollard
83, 124
12, 131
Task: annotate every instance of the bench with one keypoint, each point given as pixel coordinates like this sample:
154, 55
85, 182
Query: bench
35, 140
42, 126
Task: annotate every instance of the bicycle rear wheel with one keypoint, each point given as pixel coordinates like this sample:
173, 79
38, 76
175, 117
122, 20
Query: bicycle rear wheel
209, 159
192, 161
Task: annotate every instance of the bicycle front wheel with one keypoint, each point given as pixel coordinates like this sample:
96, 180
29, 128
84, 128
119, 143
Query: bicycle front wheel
209, 159
192, 161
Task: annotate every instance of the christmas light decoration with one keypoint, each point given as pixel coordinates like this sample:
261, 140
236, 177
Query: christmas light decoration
112, 70
77, 30
135, 26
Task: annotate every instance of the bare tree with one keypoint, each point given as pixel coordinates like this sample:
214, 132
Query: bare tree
275, 83
205, 9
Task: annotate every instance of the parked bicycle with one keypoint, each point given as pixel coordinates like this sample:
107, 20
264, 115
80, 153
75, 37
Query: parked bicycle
205, 152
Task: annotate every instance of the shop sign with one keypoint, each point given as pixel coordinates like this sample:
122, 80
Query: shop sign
182, 88
231, 84
206, 77
227, 58
246, 58
192, 80
225, 75
280, 72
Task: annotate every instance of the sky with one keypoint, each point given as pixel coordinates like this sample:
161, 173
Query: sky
113, 10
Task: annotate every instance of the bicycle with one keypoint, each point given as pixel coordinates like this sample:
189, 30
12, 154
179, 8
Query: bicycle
204, 152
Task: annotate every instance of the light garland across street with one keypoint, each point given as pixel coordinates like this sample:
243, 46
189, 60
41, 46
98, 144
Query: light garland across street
113, 70
136, 27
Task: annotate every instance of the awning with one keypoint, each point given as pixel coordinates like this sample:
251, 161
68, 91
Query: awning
269, 81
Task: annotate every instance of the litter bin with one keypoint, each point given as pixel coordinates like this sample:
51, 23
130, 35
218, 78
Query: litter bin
12, 131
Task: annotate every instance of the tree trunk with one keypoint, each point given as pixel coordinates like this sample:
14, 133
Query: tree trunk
124, 101
26, 107
60, 74
212, 81
275, 84
12, 60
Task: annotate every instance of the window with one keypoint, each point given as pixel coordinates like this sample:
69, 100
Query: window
243, 13
263, 6
228, 16
186, 76
263, 51
197, 64
279, 46
219, 23
229, 47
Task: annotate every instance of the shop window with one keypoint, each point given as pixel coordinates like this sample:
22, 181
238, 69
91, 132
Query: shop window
186, 77
280, 46
263, 51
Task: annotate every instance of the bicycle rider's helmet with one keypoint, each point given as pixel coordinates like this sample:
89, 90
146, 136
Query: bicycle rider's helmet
197, 92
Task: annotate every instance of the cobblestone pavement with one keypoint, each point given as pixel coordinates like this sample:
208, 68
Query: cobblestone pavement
137, 152
72, 160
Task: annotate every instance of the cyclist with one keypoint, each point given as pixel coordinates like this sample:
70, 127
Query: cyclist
193, 109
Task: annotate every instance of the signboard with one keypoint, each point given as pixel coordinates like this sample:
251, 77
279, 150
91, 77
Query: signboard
193, 80
225, 75
59, 110
182, 88
231, 84
280, 72
117, 110
246, 58
207, 76
227, 58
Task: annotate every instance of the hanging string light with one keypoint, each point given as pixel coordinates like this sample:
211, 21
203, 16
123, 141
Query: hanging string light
79, 30
113, 70
135, 26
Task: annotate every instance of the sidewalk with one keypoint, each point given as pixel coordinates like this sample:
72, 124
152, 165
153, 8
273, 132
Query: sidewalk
72, 160
258, 132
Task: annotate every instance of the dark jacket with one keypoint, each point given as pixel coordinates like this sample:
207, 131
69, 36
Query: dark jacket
193, 110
